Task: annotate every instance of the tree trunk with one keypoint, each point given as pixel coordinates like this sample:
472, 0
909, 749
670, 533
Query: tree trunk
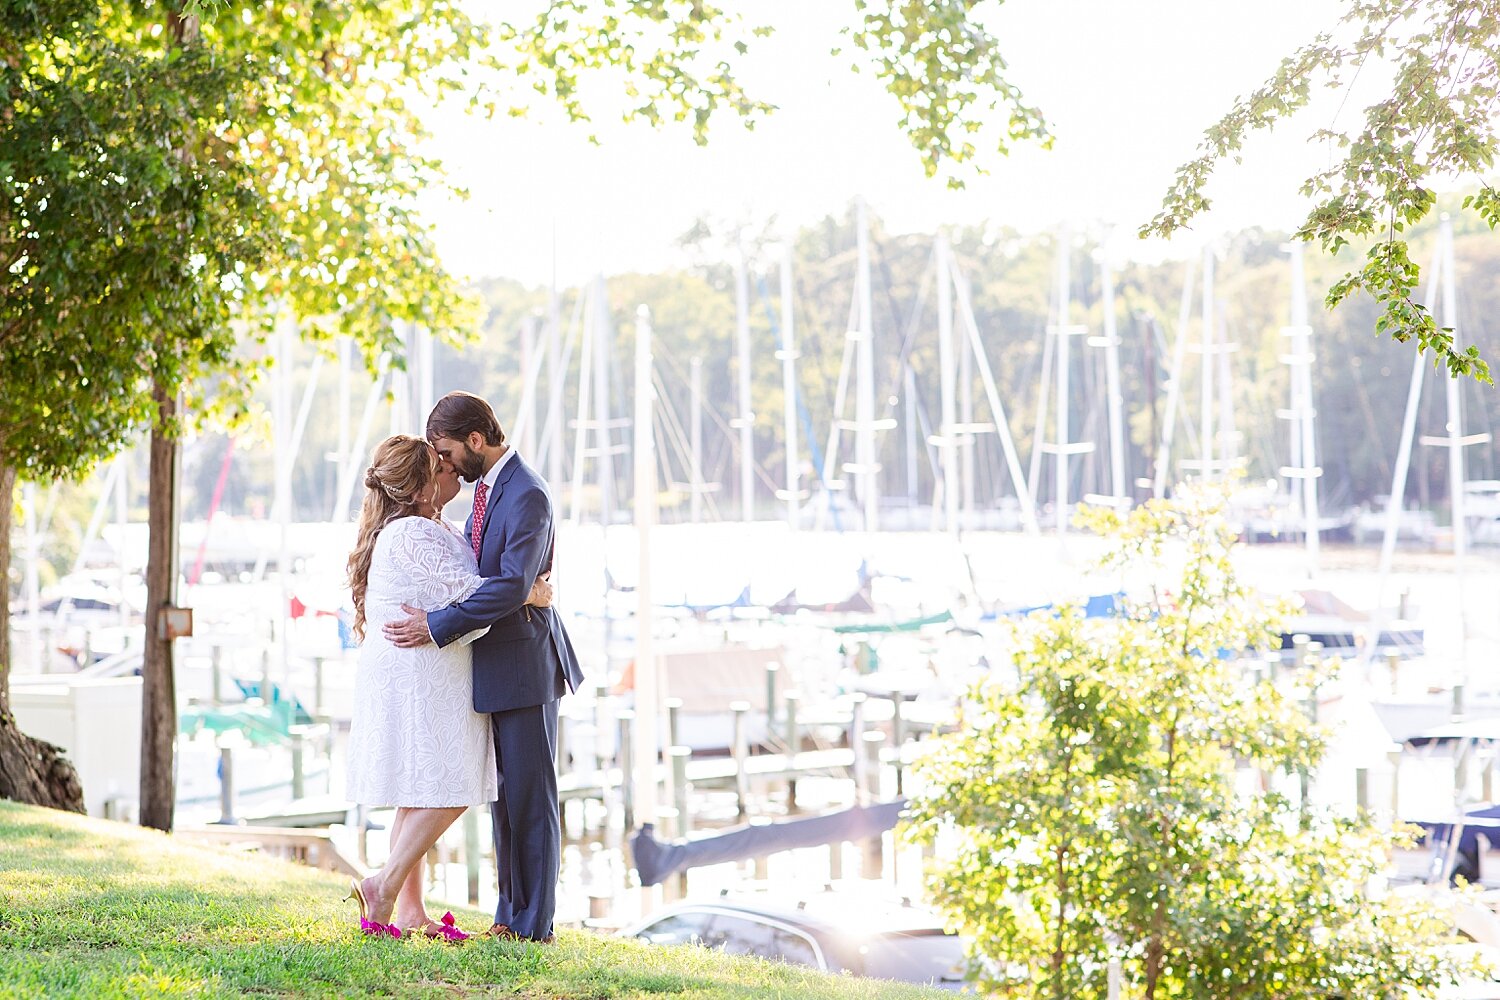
30, 771
158, 695
158, 673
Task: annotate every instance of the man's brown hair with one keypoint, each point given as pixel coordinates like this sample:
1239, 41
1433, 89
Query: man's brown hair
459, 414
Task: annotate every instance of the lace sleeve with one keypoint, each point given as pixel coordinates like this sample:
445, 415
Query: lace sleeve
435, 575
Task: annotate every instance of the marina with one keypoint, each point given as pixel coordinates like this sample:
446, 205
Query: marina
770, 645
817, 718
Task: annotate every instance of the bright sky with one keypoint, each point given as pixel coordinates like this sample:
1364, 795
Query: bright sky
1127, 86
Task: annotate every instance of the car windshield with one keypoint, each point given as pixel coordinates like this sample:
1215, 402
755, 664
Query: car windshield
916, 958
746, 935
678, 928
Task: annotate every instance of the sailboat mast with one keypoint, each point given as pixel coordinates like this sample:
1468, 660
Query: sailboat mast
425, 396
353, 459
948, 379
967, 438
581, 425
864, 435
555, 379
1174, 386
1303, 471
909, 396
997, 407
1397, 499
1112, 384
1208, 335
746, 419
647, 695
788, 355
604, 464
1229, 438
695, 474
1064, 308
530, 372
401, 379
1456, 440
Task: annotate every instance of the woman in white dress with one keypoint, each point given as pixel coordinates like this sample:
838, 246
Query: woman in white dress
415, 741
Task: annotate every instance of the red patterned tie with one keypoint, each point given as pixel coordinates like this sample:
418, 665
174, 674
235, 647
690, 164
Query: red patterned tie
481, 493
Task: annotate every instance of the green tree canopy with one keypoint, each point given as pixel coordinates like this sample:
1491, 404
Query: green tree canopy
677, 62
1436, 126
123, 257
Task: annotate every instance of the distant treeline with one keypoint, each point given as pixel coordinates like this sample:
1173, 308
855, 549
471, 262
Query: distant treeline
1360, 381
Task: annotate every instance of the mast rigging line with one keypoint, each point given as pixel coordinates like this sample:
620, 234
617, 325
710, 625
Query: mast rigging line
674, 435
552, 436
804, 417
811, 349
914, 319
722, 424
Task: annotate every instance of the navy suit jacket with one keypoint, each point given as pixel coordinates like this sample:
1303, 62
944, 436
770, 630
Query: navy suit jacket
526, 657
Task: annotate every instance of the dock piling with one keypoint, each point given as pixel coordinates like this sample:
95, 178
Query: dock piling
874, 853
226, 786
317, 685
740, 748
772, 669
624, 720
217, 669
674, 722
898, 737
299, 763
680, 755
793, 744
601, 703
1394, 756
472, 854
859, 770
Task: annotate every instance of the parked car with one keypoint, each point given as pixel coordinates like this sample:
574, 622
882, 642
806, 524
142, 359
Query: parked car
832, 931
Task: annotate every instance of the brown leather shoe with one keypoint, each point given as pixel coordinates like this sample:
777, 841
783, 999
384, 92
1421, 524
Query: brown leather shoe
504, 933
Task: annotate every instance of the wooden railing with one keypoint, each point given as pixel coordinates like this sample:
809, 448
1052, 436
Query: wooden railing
314, 848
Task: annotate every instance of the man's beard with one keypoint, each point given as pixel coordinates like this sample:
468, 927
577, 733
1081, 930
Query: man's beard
471, 465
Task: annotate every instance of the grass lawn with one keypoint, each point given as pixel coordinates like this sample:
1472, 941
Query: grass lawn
90, 908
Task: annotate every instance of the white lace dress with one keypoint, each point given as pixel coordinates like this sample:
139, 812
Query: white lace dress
415, 739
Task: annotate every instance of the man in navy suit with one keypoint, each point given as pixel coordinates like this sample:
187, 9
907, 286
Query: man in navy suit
522, 666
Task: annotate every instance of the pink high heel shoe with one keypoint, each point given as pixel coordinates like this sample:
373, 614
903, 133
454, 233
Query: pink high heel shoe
371, 928
447, 929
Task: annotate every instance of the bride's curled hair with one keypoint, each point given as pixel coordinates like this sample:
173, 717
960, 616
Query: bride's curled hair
401, 471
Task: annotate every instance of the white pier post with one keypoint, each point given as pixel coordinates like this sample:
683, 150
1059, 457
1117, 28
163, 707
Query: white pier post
647, 694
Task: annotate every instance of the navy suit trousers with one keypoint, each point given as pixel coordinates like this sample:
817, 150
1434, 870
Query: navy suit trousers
528, 828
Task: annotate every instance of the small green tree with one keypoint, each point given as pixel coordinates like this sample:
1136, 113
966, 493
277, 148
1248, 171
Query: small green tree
1095, 815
